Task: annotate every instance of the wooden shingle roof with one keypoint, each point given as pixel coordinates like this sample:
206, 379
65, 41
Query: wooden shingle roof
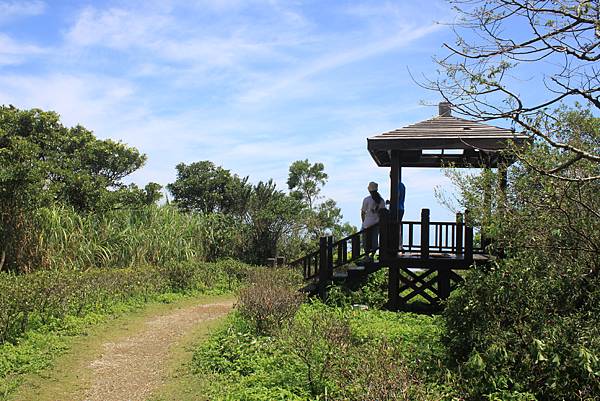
442, 140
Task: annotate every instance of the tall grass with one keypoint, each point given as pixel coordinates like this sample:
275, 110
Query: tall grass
124, 238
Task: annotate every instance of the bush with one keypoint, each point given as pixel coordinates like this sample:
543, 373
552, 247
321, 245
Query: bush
271, 298
30, 300
321, 341
526, 328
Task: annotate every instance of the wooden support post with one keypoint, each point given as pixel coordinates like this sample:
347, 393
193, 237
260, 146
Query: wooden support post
329, 257
355, 247
424, 233
468, 238
459, 234
323, 268
393, 286
443, 279
395, 240
394, 180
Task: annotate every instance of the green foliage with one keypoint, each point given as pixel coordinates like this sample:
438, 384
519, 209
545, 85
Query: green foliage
326, 353
206, 188
38, 299
61, 238
305, 181
43, 163
529, 325
70, 165
118, 238
272, 213
372, 293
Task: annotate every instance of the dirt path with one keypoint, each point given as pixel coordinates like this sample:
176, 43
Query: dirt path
130, 358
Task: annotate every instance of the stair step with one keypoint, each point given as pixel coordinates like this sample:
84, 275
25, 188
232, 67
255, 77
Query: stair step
310, 288
340, 275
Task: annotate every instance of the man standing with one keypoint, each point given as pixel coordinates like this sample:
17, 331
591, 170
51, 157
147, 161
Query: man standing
401, 195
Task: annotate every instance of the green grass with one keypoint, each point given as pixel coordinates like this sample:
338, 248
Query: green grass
236, 364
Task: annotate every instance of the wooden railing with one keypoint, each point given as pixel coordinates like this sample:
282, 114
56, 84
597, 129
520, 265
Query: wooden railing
425, 237
335, 254
412, 239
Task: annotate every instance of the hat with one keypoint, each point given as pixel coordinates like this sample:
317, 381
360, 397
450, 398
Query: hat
372, 186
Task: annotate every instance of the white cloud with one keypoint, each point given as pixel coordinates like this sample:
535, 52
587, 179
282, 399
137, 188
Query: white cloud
13, 52
81, 98
353, 53
13, 9
116, 28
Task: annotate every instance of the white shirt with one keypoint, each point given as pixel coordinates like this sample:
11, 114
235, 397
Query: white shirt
371, 208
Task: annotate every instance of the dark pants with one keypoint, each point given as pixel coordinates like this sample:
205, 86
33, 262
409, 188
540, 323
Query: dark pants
373, 244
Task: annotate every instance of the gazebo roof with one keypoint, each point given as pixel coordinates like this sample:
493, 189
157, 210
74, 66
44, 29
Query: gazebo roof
444, 140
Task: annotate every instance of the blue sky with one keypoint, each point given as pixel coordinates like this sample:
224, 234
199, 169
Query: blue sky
250, 85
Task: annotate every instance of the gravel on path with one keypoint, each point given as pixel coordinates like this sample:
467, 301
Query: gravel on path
132, 368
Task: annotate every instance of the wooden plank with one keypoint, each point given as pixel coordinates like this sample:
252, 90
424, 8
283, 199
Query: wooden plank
329, 257
468, 242
356, 247
393, 284
419, 290
323, 268
443, 280
424, 233
459, 234
419, 277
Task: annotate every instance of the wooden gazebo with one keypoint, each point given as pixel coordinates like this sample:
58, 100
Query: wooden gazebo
421, 256
442, 141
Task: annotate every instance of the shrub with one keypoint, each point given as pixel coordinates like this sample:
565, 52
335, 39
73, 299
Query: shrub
30, 300
271, 298
321, 341
524, 327
378, 371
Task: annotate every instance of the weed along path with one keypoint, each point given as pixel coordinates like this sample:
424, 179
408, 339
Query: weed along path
128, 359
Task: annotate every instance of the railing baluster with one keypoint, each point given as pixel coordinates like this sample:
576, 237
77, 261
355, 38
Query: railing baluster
459, 233
355, 247
446, 229
410, 236
425, 234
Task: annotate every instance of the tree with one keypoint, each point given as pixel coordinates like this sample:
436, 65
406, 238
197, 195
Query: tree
271, 213
204, 187
500, 43
305, 181
43, 163
530, 323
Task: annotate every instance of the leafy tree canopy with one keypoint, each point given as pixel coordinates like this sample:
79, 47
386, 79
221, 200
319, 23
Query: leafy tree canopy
43, 161
305, 181
204, 187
